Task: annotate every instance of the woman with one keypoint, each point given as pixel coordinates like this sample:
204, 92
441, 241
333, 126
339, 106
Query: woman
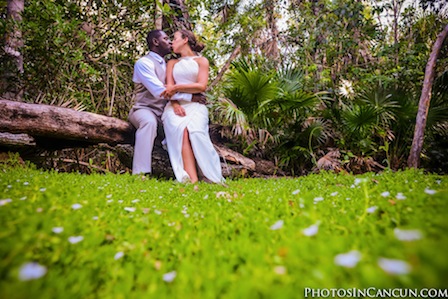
186, 123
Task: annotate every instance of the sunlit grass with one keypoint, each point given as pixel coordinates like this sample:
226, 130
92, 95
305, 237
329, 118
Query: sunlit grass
121, 236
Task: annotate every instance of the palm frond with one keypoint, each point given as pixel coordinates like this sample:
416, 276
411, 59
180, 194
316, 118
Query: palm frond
247, 89
290, 78
360, 120
382, 101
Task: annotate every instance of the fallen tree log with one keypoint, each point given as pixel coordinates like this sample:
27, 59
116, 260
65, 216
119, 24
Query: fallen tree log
40, 120
50, 127
17, 140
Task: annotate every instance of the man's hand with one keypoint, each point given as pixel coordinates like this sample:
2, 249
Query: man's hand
168, 92
199, 98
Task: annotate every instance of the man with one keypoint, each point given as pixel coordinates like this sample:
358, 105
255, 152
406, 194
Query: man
149, 79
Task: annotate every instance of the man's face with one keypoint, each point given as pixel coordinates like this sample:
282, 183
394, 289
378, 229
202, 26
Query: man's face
164, 46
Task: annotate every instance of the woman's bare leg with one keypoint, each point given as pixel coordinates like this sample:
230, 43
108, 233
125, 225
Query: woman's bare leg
188, 158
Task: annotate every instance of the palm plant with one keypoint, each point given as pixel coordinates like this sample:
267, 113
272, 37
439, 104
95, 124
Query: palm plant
269, 110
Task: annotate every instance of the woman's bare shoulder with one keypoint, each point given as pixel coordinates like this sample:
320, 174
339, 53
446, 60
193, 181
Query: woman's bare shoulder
201, 60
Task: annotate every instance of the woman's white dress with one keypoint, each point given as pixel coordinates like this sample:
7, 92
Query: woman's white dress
196, 121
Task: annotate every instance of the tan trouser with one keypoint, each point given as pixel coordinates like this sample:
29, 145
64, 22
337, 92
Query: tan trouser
145, 121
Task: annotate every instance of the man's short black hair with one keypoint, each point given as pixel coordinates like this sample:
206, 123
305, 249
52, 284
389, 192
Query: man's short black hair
152, 35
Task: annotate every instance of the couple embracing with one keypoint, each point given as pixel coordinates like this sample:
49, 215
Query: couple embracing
171, 93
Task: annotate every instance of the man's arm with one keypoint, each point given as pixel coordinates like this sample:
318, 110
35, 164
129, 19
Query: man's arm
199, 98
144, 72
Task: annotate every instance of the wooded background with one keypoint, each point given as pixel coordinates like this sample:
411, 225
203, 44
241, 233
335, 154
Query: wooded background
304, 84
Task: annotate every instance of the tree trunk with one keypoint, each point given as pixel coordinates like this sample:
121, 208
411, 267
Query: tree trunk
232, 57
10, 84
158, 18
62, 123
178, 18
14, 40
397, 4
272, 50
423, 107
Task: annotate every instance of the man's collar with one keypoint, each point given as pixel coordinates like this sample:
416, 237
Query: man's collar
157, 57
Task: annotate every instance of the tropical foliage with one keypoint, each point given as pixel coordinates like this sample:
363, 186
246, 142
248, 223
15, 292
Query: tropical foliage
312, 77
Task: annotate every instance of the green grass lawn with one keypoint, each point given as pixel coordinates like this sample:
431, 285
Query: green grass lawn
122, 236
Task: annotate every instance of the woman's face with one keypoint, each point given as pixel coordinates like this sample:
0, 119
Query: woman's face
178, 42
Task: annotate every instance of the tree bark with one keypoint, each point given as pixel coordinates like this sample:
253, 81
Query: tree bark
226, 66
272, 49
10, 82
16, 140
14, 41
63, 123
158, 18
179, 18
425, 98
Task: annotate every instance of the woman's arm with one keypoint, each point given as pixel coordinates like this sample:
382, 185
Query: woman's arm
169, 72
178, 109
197, 87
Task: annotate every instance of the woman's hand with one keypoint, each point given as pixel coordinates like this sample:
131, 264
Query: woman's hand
170, 90
178, 109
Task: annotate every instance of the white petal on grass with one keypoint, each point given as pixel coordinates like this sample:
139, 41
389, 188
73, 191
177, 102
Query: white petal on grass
75, 239
42, 189
430, 191
280, 270
372, 209
5, 201
169, 277
120, 201
359, 181
30, 271
135, 200
334, 193
295, 192
400, 196
206, 196
391, 266
76, 206
348, 260
23, 198
108, 195
277, 225
385, 194
317, 199
57, 230
158, 212
119, 255
130, 209
407, 235
26, 183
95, 217
311, 230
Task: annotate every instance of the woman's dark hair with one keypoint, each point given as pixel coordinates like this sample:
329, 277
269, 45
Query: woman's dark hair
195, 45
151, 35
